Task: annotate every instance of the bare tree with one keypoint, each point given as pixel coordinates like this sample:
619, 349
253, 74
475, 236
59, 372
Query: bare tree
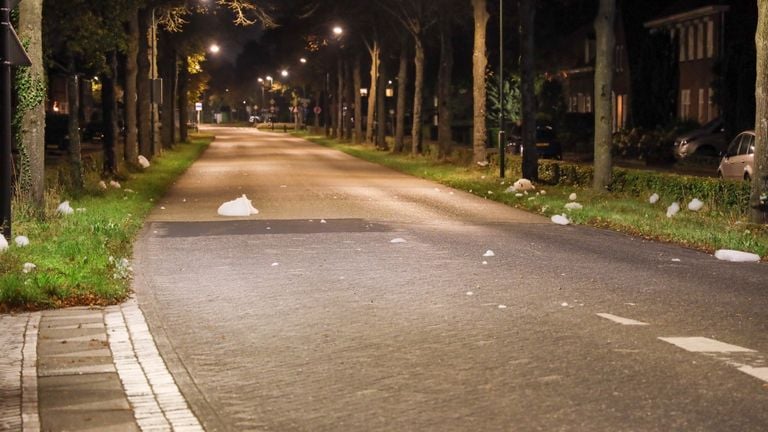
479, 64
131, 150
356, 78
603, 94
759, 196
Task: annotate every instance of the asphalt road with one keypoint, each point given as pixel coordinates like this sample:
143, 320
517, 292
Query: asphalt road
306, 317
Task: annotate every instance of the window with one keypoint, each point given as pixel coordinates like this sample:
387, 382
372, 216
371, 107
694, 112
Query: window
619, 60
691, 43
587, 53
747, 145
681, 42
580, 97
588, 104
711, 105
710, 39
700, 41
733, 148
685, 104
702, 111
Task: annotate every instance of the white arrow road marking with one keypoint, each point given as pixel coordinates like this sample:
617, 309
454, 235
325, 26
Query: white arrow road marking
704, 345
621, 320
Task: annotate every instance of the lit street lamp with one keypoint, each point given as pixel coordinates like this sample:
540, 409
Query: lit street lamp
338, 30
214, 48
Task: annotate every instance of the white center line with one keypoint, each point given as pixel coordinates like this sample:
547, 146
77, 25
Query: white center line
702, 344
621, 320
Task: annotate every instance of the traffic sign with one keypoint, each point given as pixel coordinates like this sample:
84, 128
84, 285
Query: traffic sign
318, 110
198, 106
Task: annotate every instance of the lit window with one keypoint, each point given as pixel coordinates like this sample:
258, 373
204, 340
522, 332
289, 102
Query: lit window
681, 42
685, 104
691, 43
710, 39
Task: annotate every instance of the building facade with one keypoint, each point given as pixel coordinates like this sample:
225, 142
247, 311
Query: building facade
698, 37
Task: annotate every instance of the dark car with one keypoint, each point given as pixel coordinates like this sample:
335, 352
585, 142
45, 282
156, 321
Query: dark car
708, 140
547, 145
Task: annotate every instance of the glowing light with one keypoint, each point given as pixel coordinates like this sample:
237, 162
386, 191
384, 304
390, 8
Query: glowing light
214, 48
338, 30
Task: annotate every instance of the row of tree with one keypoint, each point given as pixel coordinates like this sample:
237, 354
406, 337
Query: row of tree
127, 45
116, 41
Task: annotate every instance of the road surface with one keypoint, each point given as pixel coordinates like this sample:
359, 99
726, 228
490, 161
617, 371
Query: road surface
307, 317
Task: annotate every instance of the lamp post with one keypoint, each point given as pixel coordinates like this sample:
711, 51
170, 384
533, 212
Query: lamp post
502, 146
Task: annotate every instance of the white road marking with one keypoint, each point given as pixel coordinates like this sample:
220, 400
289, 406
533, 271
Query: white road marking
760, 373
704, 345
156, 400
621, 320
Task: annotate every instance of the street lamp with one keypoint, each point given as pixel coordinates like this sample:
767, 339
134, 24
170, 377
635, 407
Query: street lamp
284, 73
338, 31
302, 60
214, 48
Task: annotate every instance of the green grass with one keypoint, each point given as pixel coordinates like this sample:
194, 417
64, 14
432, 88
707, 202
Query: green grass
710, 229
78, 256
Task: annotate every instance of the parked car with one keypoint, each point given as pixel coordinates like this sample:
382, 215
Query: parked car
708, 140
547, 145
739, 159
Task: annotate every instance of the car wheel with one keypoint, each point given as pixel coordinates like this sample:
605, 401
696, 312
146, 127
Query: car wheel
747, 177
719, 174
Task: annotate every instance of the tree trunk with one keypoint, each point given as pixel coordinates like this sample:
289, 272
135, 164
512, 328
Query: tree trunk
527, 89
349, 93
479, 64
33, 121
156, 94
142, 86
759, 196
418, 98
402, 95
74, 149
129, 98
318, 97
168, 74
603, 94
357, 79
381, 112
183, 98
375, 52
444, 117
109, 116
340, 97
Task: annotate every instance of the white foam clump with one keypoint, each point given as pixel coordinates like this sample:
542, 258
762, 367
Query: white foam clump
143, 162
522, 185
736, 256
102, 185
28, 267
489, 253
673, 209
573, 196
560, 219
654, 198
3, 243
115, 184
239, 207
64, 208
695, 205
573, 206
22, 241
398, 240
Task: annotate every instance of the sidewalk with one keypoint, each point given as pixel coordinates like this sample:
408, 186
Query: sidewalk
86, 369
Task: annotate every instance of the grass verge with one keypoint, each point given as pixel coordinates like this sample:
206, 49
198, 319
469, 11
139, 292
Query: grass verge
712, 228
82, 259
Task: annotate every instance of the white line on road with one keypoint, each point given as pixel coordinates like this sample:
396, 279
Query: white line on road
760, 373
702, 344
621, 320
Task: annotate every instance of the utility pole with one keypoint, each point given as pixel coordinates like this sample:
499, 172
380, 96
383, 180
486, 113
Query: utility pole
11, 54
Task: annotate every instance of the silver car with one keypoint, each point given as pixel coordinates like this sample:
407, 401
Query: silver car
708, 140
739, 160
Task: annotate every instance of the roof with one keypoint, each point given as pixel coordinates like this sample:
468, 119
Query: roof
683, 10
